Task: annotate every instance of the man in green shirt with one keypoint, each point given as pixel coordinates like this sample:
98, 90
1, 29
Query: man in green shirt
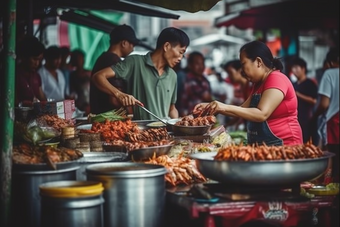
151, 81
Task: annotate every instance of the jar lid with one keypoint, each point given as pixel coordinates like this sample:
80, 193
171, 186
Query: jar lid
71, 189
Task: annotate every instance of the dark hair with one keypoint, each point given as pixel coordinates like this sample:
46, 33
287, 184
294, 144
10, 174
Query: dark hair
192, 55
65, 51
236, 64
52, 52
123, 32
74, 55
30, 46
300, 62
259, 49
333, 55
174, 36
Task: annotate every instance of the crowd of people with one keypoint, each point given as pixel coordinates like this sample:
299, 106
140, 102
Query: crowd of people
255, 95
40, 74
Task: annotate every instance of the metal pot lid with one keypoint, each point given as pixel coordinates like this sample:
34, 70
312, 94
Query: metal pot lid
126, 169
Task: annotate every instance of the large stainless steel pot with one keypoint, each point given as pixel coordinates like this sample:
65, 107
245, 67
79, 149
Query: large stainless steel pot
90, 158
26, 180
285, 172
45, 166
134, 193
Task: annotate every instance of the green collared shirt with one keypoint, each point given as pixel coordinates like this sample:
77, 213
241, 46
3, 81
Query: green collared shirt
156, 92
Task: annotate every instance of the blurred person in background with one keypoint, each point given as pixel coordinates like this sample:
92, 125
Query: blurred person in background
322, 123
329, 105
307, 92
242, 89
181, 76
272, 105
53, 80
65, 66
151, 80
221, 91
122, 42
196, 86
319, 72
80, 81
28, 84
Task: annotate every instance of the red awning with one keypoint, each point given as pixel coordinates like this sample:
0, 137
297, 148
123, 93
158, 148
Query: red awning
298, 14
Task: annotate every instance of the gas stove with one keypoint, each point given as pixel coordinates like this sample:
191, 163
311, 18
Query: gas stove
227, 192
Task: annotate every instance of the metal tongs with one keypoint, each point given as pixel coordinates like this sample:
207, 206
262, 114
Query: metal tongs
148, 111
201, 113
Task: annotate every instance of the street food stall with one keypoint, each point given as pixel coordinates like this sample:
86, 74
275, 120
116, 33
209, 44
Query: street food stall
206, 178
196, 189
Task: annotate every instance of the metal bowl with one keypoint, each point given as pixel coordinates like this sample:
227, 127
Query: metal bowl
188, 130
24, 114
84, 127
146, 153
261, 173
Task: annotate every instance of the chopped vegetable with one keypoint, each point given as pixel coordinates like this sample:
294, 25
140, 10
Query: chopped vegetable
113, 115
333, 186
34, 134
239, 137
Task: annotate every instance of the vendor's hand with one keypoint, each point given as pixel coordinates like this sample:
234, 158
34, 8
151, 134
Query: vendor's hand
212, 108
204, 109
198, 109
127, 100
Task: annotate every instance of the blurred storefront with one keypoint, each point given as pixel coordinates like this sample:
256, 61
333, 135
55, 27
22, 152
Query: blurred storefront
306, 28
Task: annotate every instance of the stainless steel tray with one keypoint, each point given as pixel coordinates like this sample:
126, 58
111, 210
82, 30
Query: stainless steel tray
281, 172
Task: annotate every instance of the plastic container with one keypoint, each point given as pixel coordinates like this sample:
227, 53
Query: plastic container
72, 204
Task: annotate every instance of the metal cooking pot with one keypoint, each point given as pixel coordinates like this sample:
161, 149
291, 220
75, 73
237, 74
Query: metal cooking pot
44, 166
26, 180
71, 204
134, 193
90, 158
261, 173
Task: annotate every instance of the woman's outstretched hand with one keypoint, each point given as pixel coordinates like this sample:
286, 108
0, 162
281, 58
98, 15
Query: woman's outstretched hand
204, 109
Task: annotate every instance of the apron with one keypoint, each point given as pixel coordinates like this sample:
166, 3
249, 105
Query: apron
259, 133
